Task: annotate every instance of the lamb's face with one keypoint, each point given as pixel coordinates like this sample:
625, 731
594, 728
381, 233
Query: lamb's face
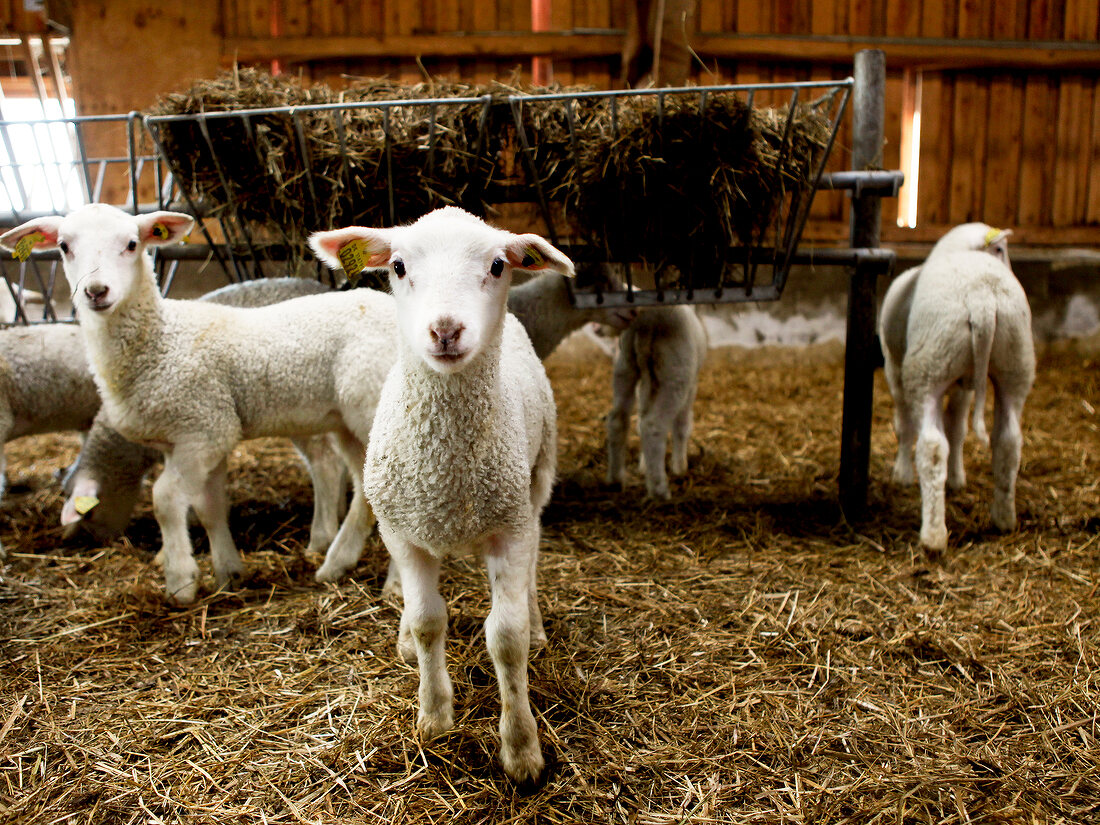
101, 250
450, 274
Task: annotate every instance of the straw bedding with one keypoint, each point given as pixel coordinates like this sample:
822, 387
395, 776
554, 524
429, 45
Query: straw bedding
672, 183
738, 655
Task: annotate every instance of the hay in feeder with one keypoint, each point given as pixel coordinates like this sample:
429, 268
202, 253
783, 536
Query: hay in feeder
676, 179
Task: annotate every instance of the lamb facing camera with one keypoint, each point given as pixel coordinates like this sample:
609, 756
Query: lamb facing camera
463, 450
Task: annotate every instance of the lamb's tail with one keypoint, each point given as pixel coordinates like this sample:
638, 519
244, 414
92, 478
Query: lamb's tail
983, 324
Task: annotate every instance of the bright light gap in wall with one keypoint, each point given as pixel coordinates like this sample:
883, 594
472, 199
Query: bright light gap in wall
910, 161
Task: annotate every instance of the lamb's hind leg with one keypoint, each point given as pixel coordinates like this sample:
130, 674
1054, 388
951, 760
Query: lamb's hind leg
508, 633
931, 459
329, 477
346, 549
1006, 442
958, 409
623, 380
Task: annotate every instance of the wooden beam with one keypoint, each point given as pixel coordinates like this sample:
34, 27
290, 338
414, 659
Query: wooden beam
459, 44
905, 52
901, 52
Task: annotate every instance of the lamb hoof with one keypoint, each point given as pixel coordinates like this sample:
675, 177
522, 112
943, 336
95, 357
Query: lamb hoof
432, 725
1004, 517
538, 637
328, 574
934, 538
956, 482
184, 594
523, 765
231, 578
903, 475
660, 493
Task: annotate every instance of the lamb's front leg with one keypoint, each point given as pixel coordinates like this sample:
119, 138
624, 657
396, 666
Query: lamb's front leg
184, 483
623, 380
508, 635
423, 633
212, 508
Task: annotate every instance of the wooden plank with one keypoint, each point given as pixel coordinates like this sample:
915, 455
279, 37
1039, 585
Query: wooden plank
974, 20
1040, 20
859, 18
1006, 112
1036, 152
1082, 20
903, 18
710, 16
1074, 123
1005, 23
914, 53
1092, 205
892, 124
938, 18
937, 111
964, 166
754, 17
823, 17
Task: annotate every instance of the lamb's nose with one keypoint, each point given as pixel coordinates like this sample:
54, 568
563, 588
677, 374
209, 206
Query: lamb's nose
96, 292
446, 332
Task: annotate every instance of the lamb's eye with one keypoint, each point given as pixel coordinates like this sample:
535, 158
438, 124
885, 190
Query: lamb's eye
64, 247
399, 269
497, 269
131, 246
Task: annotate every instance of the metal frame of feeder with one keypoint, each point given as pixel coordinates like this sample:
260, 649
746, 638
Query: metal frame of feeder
779, 256
864, 260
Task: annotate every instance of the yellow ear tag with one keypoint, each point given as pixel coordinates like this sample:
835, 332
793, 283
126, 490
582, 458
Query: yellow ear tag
353, 256
83, 504
26, 244
160, 231
532, 258
993, 235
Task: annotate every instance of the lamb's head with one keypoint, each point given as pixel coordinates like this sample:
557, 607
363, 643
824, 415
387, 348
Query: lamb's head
975, 237
102, 249
450, 274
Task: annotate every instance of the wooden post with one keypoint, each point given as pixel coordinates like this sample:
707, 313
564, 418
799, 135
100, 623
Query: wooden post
861, 352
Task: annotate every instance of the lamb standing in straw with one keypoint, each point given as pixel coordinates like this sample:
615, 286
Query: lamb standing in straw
945, 327
195, 378
463, 450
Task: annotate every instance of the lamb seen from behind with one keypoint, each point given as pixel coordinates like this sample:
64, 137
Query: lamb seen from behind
945, 327
194, 378
462, 454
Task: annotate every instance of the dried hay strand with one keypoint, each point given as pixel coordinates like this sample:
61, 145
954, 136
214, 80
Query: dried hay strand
737, 655
675, 180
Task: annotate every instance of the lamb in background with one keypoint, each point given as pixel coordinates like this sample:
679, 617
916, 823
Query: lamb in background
104, 484
944, 327
658, 362
543, 306
195, 378
463, 450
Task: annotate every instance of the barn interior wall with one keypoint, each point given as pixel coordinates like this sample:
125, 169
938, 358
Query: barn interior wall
1010, 91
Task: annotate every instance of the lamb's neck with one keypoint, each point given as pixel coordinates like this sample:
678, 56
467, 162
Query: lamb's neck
451, 401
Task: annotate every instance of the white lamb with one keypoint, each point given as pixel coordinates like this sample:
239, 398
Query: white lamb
944, 327
45, 386
104, 484
543, 306
658, 363
195, 378
462, 454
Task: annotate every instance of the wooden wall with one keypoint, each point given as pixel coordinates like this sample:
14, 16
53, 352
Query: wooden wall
1009, 89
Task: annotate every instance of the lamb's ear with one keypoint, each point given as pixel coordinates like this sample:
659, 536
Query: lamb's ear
538, 255
40, 233
84, 498
159, 228
353, 248
996, 244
